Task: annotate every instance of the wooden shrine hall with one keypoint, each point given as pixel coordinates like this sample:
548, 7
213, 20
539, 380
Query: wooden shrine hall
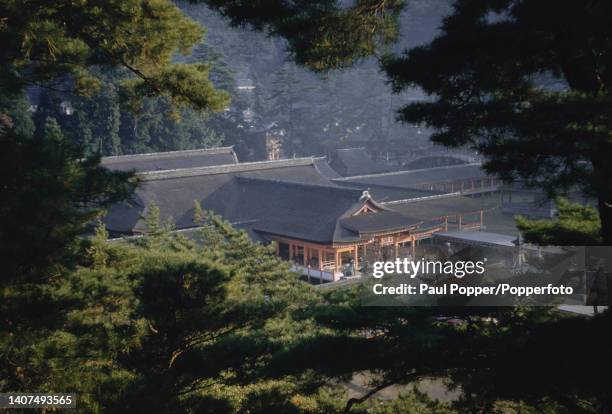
365, 232
327, 230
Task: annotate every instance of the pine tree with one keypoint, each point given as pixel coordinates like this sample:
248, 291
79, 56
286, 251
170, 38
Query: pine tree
187, 327
528, 84
573, 223
50, 196
63, 45
323, 34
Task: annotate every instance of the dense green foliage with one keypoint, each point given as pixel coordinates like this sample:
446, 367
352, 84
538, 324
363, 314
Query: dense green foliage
49, 193
217, 323
102, 124
161, 325
45, 42
528, 83
573, 223
322, 34
108, 73
520, 355
168, 324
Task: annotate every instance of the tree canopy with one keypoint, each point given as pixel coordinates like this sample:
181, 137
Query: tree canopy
50, 194
43, 43
217, 323
321, 34
573, 224
527, 83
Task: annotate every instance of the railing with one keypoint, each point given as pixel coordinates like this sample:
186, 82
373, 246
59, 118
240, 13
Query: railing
468, 226
314, 273
328, 264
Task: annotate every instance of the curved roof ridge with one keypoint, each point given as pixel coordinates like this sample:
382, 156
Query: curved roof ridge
166, 154
368, 186
350, 148
226, 168
323, 168
417, 199
473, 164
332, 186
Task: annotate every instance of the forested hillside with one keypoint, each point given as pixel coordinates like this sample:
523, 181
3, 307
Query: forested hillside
315, 112
312, 113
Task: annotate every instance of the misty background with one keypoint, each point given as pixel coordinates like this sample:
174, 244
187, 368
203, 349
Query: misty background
278, 109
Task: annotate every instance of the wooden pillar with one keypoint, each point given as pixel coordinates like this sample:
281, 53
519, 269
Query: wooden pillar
445, 223
306, 256
396, 244
413, 242
459, 219
290, 251
336, 264
320, 272
481, 218
355, 258
321, 258
319, 253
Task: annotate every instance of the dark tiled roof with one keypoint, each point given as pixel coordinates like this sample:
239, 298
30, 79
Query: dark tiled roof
297, 210
419, 178
171, 160
216, 188
381, 222
354, 161
438, 206
290, 198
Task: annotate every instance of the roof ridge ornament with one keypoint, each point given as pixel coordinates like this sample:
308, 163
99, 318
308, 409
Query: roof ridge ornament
365, 195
